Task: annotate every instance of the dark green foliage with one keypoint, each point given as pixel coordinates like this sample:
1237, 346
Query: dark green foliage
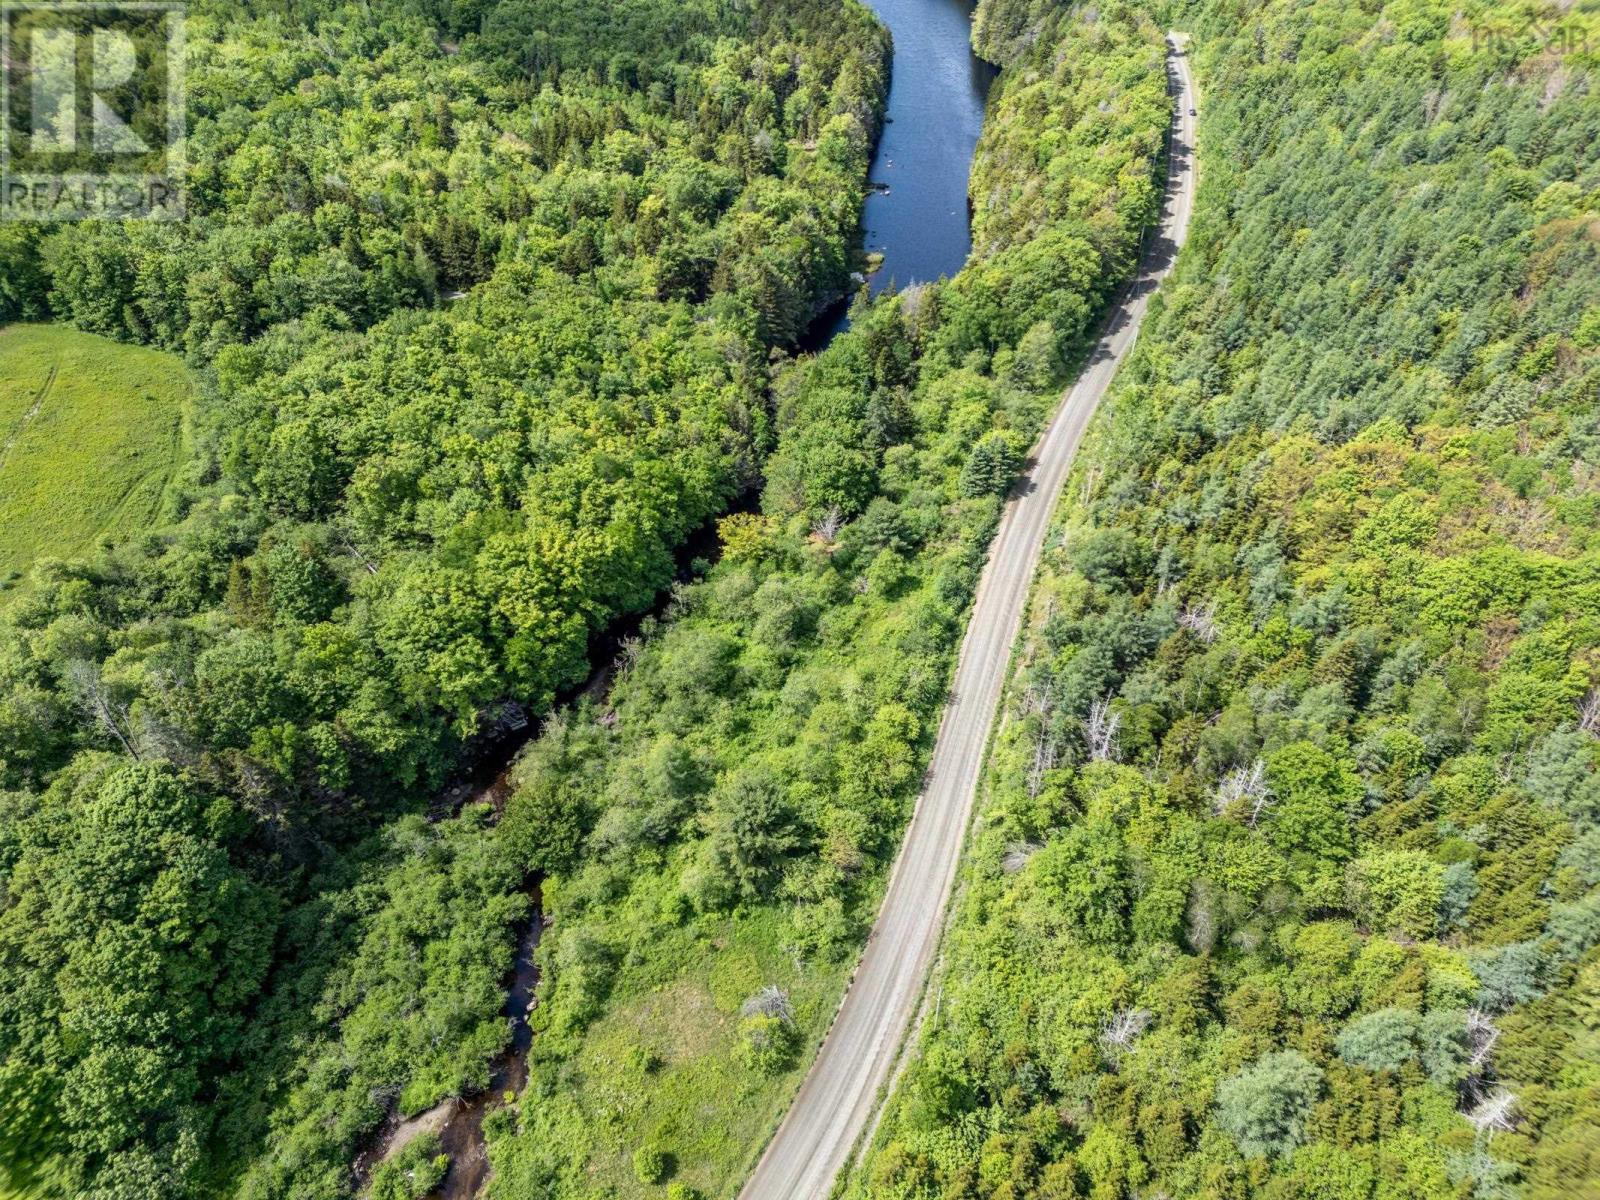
22, 279
134, 949
754, 831
409, 504
990, 468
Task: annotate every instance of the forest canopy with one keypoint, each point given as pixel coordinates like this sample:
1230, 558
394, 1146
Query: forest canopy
480, 301
1283, 883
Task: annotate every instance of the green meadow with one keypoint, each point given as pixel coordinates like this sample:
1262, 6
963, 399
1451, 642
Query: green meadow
91, 434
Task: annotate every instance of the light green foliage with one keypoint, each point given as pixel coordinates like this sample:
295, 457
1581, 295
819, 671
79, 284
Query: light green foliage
412, 1174
650, 1164
1316, 794
756, 762
1330, 556
1381, 1041
1397, 890
1078, 879
93, 436
1266, 1106
1321, 982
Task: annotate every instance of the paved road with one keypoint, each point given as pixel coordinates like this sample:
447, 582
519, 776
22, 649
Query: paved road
837, 1101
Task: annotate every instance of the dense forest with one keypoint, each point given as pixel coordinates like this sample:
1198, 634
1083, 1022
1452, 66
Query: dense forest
486, 321
1285, 877
480, 299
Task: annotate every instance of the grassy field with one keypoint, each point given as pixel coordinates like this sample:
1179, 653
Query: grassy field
91, 434
701, 1099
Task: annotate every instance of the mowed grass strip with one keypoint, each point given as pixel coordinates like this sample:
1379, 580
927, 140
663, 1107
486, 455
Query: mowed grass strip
91, 435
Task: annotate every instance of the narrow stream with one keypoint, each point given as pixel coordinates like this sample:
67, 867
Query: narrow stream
917, 216
917, 219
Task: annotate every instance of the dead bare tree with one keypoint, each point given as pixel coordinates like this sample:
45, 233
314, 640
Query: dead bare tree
827, 526
1035, 701
155, 738
678, 599
1100, 731
1589, 713
1245, 788
629, 652
151, 732
1200, 621
1016, 856
770, 1001
355, 552
1124, 1028
912, 300
1482, 1036
1091, 481
1045, 754
257, 791
1495, 1113
1165, 580
97, 703
1200, 919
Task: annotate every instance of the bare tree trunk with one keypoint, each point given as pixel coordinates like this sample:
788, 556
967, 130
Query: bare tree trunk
95, 701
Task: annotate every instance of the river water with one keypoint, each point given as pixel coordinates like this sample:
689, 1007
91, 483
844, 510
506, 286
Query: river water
919, 221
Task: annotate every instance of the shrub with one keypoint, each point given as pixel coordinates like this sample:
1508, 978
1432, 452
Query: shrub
768, 1043
650, 1163
416, 1171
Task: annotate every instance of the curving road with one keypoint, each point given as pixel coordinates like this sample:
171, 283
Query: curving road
837, 1102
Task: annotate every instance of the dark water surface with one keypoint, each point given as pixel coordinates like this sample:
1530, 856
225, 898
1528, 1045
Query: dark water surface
936, 101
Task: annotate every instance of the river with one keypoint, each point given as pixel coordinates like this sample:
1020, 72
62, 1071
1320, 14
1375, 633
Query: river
917, 216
